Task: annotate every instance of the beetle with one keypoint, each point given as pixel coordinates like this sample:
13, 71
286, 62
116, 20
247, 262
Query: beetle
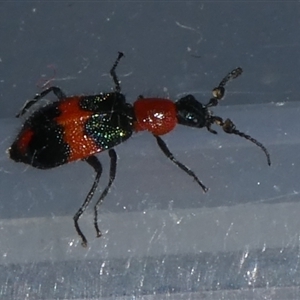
77, 127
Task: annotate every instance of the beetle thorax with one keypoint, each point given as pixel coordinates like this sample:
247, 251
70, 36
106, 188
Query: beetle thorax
155, 115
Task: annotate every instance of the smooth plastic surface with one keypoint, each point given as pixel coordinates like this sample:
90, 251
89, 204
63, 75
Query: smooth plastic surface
162, 237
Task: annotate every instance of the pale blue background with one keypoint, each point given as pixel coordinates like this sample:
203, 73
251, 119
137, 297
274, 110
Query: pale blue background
162, 236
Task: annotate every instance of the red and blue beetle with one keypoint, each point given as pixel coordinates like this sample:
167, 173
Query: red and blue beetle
77, 127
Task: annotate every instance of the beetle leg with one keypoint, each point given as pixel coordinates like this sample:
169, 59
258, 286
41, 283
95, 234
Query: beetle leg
96, 165
112, 176
114, 75
162, 145
56, 90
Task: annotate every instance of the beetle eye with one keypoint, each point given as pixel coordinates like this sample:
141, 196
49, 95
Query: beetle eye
192, 117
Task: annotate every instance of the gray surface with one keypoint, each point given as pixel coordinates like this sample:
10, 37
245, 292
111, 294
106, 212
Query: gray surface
163, 238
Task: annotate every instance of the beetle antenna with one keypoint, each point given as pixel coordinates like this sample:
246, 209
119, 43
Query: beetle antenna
219, 91
231, 75
229, 127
